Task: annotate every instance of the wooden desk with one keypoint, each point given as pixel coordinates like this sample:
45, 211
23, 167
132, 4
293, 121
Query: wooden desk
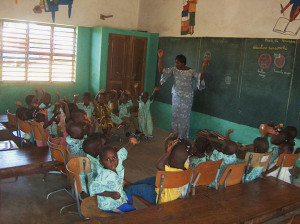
26, 161
252, 202
197, 209
259, 200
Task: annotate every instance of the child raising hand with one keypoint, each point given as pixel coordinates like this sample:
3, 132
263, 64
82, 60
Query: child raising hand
173, 160
108, 185
144, 115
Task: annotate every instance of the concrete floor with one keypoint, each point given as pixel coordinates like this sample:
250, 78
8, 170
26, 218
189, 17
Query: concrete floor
24, 200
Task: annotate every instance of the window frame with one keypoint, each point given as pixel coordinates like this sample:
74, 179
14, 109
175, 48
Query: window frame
51, 54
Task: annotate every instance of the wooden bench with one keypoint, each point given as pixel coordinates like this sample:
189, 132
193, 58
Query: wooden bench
26, 161
252, 202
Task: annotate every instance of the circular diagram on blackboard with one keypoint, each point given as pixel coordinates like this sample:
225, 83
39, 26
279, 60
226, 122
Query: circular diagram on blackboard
279, 61
264, 60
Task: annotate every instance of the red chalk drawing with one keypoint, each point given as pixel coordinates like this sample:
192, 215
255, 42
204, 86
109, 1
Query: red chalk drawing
279, 62
264, 60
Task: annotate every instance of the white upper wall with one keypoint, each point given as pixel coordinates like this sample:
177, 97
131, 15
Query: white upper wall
84, 13
216, 18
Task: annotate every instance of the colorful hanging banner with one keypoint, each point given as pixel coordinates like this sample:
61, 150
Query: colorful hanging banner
188, 16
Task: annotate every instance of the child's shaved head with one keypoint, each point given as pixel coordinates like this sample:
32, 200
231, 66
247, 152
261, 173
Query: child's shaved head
229, 147
178, 156
75, 130
260, 145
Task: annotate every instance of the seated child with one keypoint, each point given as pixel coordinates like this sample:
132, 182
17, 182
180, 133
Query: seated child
32, 100
215, 138
64, 117
80, 116
76, 137
275, 141
125, 107
55, 128
227, 153
102, 113
71, 106
274, 169
42, 118
260, 145
202, 150
46, 103
291, 133
173, 160
168, 141
26, 114
92, 146
87, 105
113, 105
144, 115
108, 185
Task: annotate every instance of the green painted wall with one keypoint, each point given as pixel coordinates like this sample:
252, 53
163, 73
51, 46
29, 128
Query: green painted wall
242, 133
10, 92
96, 43
99, 52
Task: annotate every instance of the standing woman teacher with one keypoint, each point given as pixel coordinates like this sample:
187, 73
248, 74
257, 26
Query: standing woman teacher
182, 91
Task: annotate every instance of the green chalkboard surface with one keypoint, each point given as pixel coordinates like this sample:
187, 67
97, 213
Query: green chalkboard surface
221, 77
173, 47
265, 80
248, 81
293, 115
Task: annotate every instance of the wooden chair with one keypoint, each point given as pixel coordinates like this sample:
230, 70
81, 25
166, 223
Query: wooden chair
287, 160
71, 155
169, 179
205, 173
25, 127
39, 132
253, 159
58, 154
12, 122
87, 207
232, 175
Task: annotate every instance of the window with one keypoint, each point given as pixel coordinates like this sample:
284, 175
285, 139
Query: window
37, 52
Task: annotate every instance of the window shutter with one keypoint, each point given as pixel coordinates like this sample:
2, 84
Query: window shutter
37, 52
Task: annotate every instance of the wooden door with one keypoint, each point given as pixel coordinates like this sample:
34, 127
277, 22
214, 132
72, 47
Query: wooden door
126, 62
117, 61
136, 70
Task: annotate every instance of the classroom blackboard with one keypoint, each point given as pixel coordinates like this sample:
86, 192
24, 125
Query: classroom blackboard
265, 80
248, 80
293, 114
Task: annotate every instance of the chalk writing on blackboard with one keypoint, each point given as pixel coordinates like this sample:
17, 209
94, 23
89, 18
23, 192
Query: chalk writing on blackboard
262, 47
261, 73
282, 72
